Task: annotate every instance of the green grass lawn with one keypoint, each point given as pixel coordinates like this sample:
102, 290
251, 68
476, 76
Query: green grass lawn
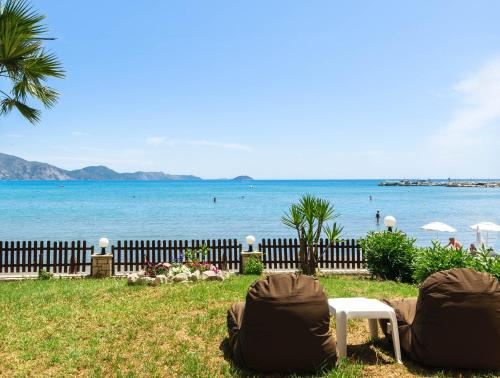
88, 327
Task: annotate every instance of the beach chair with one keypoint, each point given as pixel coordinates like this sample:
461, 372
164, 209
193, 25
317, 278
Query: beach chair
454, 322
284, 326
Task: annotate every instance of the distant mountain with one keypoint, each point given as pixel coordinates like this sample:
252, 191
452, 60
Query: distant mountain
99, 172
15, 168
242, 178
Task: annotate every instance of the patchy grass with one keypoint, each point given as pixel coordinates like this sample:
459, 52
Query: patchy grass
105, 328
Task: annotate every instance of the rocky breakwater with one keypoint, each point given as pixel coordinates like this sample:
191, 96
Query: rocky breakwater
450, 184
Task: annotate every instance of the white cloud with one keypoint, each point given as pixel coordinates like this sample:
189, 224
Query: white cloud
473, 133
156, 141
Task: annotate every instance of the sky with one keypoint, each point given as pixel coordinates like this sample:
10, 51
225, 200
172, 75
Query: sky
272, 89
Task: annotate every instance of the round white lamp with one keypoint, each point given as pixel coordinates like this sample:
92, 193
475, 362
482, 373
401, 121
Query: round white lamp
103, 244
250, 240
389, 222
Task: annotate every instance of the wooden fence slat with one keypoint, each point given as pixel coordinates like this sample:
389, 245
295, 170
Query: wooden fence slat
40, 256
18, 256
325, 250
265, 256
162, 251
229, 262
140, 263
279, 252
46, 256
358, 255
29, 255
343, 254
175, 251
72, 269
65, 254
219, 251
83, 260
35, 257
1, 256
223, 262
130, 249
23, 256
117, 254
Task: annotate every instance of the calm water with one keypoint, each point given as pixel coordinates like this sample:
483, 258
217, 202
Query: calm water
185, 209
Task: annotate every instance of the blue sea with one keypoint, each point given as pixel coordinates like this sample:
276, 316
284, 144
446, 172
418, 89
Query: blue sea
88, 210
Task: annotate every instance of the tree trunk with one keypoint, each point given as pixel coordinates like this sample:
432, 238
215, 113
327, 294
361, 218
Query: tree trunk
313, 259
308, 261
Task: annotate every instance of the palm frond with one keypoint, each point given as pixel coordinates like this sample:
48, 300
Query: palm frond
24, 61
294, 219
31, 114
334, 232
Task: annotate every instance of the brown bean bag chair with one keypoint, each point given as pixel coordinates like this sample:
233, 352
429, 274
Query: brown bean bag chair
284, 326
454, 323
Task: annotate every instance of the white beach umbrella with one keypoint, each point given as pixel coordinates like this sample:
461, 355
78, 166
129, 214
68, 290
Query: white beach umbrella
438, 227
485, 227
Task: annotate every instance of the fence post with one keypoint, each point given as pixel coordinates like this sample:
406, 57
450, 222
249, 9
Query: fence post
102, 264
244, 256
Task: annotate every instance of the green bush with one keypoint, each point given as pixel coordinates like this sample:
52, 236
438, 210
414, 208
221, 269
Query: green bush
483, 261
44, 275
253, 265
389, 255
437, 258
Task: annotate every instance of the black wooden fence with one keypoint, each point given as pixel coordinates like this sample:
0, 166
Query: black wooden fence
130, 255
283, 254
58, 257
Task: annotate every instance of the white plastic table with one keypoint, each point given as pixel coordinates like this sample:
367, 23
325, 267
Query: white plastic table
362, 308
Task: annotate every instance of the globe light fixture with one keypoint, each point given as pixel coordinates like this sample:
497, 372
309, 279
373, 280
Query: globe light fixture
103, 244
389, 222
250, 240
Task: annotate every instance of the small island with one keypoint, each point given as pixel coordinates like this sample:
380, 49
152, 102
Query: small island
242, 178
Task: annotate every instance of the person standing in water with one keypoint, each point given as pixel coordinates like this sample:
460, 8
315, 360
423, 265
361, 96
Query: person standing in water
215, 199
454, 244
377, 217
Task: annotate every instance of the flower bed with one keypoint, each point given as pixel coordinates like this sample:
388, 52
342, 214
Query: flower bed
162, 273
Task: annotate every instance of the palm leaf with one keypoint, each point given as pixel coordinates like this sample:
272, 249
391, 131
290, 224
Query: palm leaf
23, 60
31, 114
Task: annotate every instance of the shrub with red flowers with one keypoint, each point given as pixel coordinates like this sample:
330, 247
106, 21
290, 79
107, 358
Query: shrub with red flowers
189, 262
198, 266
153, 270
